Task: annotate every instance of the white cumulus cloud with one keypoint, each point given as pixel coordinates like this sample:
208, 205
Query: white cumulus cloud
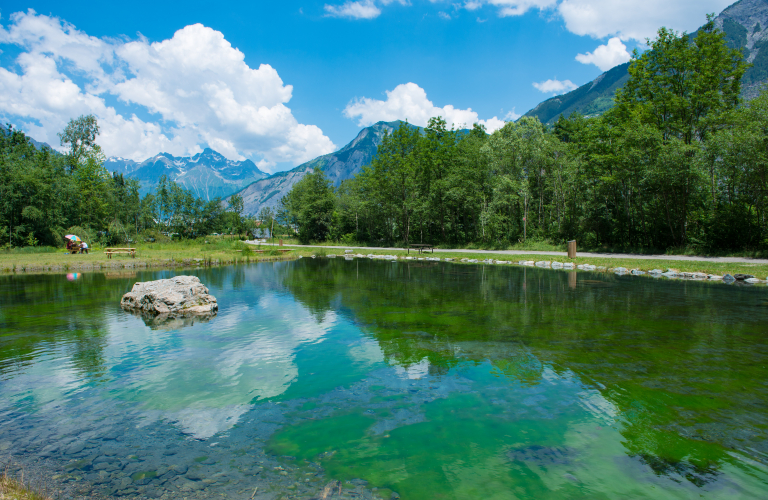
512, 116
509, 8
195, 85
635, 19
627, 19
555, 86
409, 102
362, 9
606, 56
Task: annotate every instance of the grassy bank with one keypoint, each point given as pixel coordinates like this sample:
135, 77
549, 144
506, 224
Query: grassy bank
212, 251
719, 268
547, 246
215, 251
13, 489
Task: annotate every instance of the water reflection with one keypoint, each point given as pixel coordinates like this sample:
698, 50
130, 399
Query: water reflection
679, 364
428, 379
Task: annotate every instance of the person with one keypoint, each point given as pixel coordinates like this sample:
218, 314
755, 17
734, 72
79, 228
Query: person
83, 247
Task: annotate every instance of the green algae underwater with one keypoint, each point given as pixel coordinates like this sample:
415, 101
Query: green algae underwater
432, 380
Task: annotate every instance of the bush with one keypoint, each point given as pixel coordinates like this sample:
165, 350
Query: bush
153, 236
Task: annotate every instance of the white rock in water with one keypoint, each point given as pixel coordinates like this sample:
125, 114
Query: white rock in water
589, 267
557, 265
178, 296
670, 274
620, 270
655, 271
637, 272
543, 263
714, 277
752, 280
568, 265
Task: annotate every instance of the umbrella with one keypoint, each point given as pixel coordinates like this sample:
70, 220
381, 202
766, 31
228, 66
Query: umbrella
72, 237
73, 276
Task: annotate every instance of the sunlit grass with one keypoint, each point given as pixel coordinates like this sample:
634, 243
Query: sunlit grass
13, 489
207, 251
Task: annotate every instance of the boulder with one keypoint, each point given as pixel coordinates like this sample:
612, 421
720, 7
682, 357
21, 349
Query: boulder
175, 297
742, 277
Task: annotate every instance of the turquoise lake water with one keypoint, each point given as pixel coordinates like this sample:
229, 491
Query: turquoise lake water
420, 380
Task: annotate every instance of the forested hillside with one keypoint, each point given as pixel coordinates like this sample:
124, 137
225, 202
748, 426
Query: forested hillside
677, 163
45, 195
743, 24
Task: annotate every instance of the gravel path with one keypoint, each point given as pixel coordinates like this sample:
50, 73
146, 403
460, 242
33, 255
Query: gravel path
725, 260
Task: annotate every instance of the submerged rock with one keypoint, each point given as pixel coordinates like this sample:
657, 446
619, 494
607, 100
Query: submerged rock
171, 298
742, 277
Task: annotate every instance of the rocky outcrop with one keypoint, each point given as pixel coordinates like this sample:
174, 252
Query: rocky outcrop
171, 298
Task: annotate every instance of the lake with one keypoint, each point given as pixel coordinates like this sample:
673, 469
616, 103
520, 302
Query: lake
417, 380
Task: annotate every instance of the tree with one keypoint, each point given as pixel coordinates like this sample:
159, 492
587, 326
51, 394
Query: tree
80, 136
684, 84
266, 220
309, 206
391, 180
236, 207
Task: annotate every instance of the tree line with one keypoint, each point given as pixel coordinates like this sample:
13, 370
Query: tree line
45, 195
678, 162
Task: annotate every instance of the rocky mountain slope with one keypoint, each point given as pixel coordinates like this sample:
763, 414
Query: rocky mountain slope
745, 25
207, 174
343, 164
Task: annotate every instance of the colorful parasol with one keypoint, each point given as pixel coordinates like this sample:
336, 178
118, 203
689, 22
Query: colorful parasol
73, 276
72, 237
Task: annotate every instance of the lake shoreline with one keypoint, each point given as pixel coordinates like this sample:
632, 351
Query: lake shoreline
61, 263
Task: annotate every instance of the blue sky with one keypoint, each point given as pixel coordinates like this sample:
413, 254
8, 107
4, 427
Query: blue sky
282, 82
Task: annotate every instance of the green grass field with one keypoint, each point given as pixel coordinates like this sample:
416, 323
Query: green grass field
213, 251
201, 252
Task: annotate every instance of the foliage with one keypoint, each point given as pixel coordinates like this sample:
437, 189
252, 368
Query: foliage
43, 192
80, 136
308, 207
676, 164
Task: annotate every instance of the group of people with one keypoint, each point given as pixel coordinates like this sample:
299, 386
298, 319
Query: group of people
76, 246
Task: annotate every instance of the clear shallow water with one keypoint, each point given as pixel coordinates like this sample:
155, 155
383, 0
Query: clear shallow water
429, 380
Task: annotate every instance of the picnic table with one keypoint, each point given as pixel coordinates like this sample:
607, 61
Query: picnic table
111, 251
421, 247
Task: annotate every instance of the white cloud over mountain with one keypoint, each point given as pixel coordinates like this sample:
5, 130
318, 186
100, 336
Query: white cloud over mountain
606, 56
196, 84
409, 102
555, 87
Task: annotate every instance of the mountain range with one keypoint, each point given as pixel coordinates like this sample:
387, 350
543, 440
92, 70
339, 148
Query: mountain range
208, 174
745, 26
343, 164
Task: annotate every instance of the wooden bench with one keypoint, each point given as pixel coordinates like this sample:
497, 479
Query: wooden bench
421, 247
111, 251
